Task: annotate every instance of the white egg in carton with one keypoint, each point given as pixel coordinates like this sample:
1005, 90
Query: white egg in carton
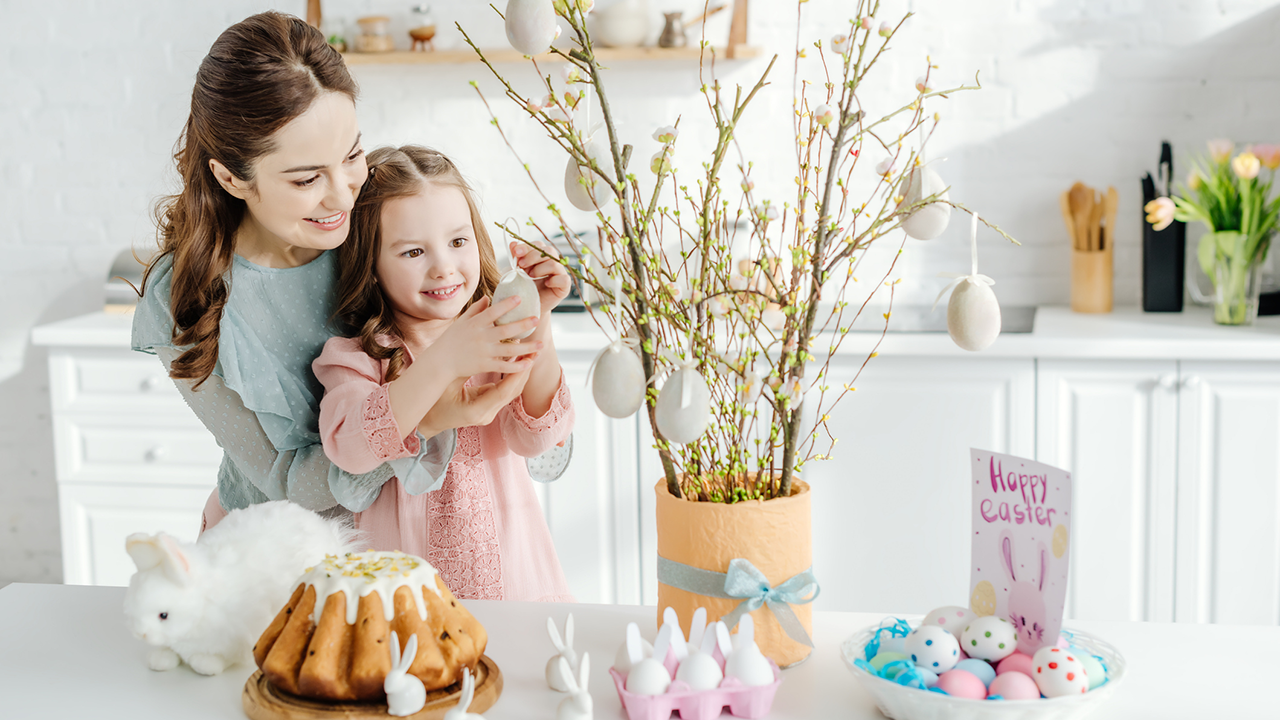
697, 677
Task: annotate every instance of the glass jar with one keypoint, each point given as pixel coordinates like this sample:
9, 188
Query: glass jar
374, 34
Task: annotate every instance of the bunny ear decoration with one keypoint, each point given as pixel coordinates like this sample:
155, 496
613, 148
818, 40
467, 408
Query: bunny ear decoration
410, 653
1006, 555
635, 645
159, 550
722, 638
698, 627
662, 643
584, 669
568, 631
395, 650
569, 679
746, 630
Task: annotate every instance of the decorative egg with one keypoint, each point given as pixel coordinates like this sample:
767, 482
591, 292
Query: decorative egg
617, 381
531, 25
517, 283
677, 421
958, 683
1017, 662
648, 677
933, 647
1094, 669
951, 618
579, 196
883, 658
929, 221
1059, 672
973, 315
980, 669
700, 671
1014, 686
990, 638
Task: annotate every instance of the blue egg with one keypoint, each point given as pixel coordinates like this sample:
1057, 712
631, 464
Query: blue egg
980, 669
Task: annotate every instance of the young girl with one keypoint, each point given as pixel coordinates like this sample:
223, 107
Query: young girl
414, 286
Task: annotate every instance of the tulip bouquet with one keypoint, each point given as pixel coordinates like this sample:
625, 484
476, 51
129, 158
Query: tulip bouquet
1230, 197
721, 302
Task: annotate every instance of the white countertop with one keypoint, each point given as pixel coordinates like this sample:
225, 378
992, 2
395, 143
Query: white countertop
65, 653
1127, 333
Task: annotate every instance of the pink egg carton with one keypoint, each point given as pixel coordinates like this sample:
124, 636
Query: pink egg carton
742, 700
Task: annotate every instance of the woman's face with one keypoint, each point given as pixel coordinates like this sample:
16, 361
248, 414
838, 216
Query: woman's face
302, 191
429, 263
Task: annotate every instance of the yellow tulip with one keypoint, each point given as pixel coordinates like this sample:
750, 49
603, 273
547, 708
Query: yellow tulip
1246, 165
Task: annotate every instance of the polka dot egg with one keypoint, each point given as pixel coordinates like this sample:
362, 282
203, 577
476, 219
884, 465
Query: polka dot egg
933, 648
1059, 672
989, 638
951, 618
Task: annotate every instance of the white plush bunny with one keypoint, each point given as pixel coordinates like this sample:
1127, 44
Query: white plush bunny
207, 602
746, 662
578, 706
468, 692
406, 694
556, 678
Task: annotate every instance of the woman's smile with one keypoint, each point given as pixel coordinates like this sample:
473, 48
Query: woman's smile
333, 222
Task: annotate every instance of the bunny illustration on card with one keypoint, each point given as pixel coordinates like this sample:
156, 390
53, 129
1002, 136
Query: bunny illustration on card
1026, 608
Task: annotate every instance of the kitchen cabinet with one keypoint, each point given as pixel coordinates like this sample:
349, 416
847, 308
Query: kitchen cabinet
1177, 486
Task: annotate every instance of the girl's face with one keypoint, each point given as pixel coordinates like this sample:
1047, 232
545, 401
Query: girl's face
303, 191
429, 263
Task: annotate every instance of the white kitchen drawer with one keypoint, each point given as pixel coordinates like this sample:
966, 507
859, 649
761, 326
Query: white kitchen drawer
111, 380
96, 519
91, 448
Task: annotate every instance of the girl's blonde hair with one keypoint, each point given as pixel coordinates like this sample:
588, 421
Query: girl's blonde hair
363, 310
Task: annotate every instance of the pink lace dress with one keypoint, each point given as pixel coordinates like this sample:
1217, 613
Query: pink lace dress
483, 529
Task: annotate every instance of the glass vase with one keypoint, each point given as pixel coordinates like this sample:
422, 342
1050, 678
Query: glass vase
1236, 286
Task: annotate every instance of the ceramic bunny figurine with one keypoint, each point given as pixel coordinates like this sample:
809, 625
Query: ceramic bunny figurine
468, 692
556, 678
207, 602
648, 675
406, 694
578, 706
746, 662
1026, 599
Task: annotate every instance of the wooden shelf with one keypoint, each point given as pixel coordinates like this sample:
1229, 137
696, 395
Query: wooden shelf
507, 55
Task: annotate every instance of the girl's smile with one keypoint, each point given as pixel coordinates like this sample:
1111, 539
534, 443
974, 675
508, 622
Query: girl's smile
444, 293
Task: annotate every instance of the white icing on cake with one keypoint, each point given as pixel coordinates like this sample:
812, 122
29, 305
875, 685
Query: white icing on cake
358, 574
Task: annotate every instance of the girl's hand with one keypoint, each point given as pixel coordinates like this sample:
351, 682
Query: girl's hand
554, 283
462, 406
473, 344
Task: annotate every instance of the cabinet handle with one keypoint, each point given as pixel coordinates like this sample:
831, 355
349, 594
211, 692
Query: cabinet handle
1168, 381
1191, 383
155, 453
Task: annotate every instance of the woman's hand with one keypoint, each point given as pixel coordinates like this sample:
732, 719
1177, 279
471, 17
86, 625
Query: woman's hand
473, 344
551, 277
462, 406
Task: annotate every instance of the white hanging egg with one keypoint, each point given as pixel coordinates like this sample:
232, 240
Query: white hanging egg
617, 381
929, 221
531, 25
678, 422
973, 315
517, 283
597, 149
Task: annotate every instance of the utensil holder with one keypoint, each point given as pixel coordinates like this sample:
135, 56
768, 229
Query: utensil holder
1091, 281
1164, 267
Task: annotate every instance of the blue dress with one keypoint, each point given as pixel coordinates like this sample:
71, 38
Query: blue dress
262, 401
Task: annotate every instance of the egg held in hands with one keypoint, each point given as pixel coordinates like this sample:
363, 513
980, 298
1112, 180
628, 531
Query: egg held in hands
517, 283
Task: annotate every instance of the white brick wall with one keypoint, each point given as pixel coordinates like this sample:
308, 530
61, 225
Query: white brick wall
96, 92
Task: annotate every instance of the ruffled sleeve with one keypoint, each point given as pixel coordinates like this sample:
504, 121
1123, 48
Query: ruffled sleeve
153, 317
528, 436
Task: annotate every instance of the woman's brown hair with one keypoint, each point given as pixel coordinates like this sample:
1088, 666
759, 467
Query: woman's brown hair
363, 310
259, 75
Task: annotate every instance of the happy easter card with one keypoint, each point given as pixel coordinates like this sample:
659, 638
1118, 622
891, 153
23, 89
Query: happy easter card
1021, 544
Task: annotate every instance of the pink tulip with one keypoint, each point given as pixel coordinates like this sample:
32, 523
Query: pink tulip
1160, 212
1220, 150
1268, 154
1246, 165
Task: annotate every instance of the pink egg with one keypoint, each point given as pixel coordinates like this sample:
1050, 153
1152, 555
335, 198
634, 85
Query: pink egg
959, 683
1014, 685
1016, 662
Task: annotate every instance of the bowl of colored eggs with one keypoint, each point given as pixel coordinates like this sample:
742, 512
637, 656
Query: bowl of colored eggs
952, 664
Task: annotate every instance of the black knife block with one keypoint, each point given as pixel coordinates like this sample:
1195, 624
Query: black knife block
1164, 267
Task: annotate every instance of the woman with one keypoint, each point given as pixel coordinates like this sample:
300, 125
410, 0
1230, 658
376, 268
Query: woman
238, 302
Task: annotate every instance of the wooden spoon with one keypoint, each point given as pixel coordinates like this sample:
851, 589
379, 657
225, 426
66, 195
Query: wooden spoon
1080, 194
1095, 222
1110, 205
1068, 219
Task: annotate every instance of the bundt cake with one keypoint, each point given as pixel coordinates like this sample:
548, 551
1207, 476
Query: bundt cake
331, 640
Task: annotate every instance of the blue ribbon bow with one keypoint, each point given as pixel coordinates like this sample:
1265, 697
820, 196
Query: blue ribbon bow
744, 581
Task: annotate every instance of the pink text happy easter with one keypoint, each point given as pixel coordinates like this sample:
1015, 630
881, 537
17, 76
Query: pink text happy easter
1031, 489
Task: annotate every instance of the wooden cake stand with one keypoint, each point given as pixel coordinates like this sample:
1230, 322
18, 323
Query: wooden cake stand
263, 701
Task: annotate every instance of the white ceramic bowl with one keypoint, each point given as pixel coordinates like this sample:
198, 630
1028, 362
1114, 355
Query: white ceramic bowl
900, 702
